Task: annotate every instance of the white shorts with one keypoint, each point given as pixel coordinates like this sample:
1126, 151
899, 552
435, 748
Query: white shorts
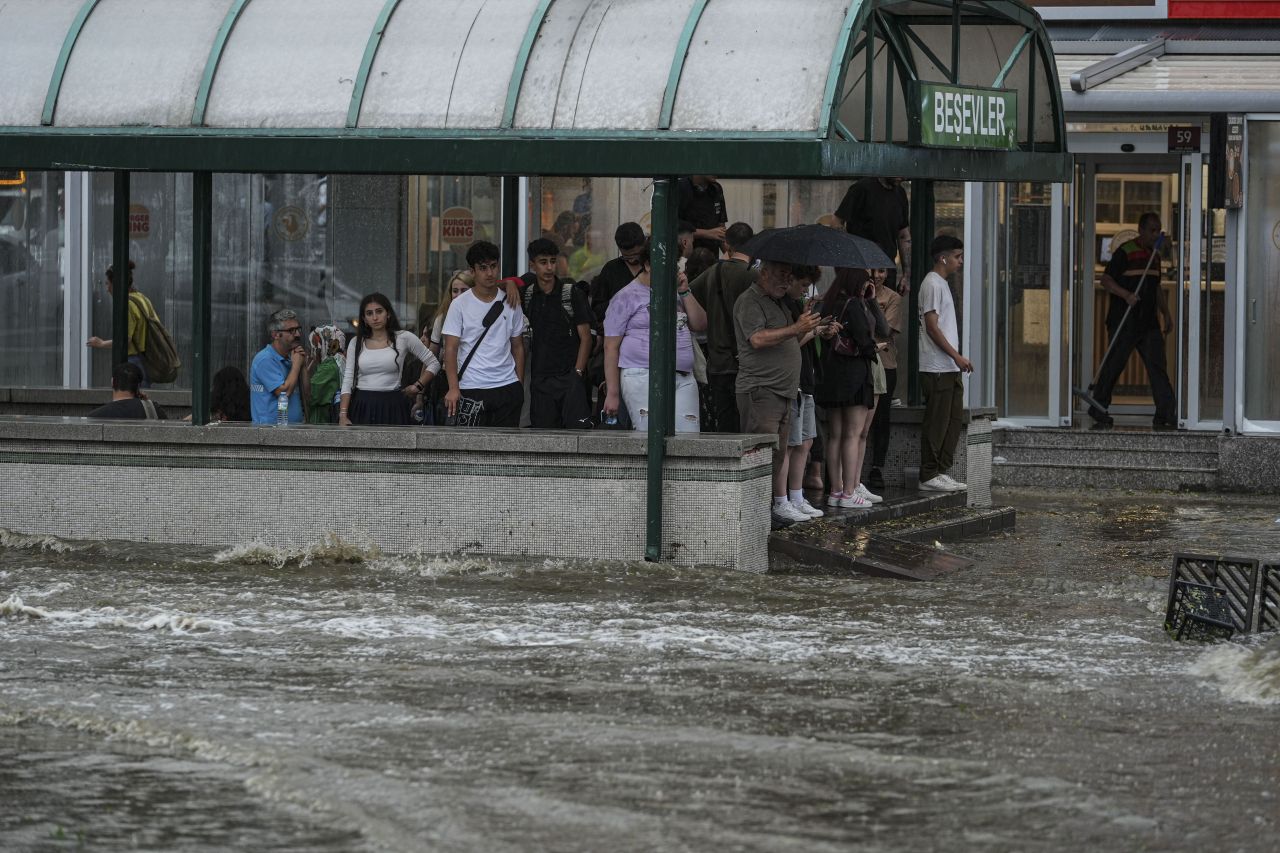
635, 394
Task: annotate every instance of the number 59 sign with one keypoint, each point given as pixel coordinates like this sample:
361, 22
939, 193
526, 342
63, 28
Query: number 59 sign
1184, 140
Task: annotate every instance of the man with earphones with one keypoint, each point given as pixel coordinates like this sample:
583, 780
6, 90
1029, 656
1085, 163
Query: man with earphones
942, 368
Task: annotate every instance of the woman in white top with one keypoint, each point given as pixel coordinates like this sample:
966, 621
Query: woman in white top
371, 392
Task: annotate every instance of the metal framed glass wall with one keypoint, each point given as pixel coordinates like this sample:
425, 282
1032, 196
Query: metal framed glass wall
1258, 313
33, 266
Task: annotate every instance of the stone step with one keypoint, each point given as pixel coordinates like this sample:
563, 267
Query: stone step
1105, 457
1084, 475
1110, 439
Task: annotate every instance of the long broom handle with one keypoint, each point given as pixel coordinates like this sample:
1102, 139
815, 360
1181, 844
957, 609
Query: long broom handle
1137, 292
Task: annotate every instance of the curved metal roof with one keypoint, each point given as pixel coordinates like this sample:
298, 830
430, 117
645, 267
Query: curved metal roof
216, 84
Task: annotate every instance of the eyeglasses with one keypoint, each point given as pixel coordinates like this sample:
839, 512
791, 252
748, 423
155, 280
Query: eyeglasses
296, 330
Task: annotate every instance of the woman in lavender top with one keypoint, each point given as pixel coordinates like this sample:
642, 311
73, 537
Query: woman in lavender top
626, 351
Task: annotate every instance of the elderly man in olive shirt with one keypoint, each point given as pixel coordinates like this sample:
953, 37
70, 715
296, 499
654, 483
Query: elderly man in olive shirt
769, 359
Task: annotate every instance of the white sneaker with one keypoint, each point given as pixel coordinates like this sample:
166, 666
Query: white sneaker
788, 512
854, 501
937, 484
865, 493
955, 485
833, 499
807, 508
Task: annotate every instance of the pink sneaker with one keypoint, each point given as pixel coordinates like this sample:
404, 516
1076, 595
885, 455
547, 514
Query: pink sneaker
854, 501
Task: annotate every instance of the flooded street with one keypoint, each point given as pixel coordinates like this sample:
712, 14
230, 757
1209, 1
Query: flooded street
159, 698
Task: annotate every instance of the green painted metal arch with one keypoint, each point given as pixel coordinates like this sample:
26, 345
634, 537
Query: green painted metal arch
855, 20
522, 62
366, 63
215, 57
678, 61
64, 57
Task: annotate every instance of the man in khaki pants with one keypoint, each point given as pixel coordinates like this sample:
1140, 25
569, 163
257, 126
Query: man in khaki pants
941, 368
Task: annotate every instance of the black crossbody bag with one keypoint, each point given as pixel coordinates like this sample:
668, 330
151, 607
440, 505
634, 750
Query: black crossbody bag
469, 408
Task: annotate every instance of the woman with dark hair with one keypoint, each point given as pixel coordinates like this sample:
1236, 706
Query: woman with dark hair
846, 390
371, 390
229, 397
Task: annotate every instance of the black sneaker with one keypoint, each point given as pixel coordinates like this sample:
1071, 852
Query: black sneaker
1100, 418
1163, 426
875, 479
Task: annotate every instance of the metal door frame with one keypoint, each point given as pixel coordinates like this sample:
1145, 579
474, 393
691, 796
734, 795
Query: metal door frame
1237, 282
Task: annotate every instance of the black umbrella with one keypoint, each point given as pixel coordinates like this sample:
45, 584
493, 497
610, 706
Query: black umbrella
819, 246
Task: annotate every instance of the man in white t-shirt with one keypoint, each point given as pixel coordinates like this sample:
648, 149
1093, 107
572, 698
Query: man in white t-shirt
941, 368
494, 376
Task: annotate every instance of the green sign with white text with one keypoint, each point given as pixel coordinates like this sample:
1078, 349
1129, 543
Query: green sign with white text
964, 117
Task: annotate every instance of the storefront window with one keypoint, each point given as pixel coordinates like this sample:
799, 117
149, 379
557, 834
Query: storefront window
1022, 323
1262, 271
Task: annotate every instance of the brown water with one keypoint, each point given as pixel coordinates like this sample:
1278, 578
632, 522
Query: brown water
159, 698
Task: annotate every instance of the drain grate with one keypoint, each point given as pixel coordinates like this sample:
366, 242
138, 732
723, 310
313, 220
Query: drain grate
1236, 578
1199, 612
1269, 598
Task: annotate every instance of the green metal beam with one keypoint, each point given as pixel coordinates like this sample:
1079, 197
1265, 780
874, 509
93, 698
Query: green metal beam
512, 251
366, 63
924, 48
1014, 56
215, 57
853, 22
662, 354
923, 204
120, 274
677, 62
522, 63
583, 155
955, 44
869, 83
64, 57
201, 295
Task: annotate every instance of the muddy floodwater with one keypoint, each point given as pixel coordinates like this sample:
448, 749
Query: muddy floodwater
157, 697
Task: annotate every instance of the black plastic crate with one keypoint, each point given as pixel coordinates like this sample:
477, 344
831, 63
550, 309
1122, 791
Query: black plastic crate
1235, 577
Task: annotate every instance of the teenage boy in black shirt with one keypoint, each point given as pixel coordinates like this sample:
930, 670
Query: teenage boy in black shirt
559, 318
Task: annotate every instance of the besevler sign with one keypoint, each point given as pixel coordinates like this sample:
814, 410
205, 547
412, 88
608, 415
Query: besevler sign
964, 117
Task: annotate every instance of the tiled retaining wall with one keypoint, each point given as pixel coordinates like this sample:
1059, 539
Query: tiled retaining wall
973, 452
577, 495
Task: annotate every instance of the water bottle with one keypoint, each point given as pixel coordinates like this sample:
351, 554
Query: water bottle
611, 420
282, 410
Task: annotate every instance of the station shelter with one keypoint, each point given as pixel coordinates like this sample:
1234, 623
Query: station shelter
249, 155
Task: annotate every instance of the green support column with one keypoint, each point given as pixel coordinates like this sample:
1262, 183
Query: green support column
511, 249
201, 294
922, 220
662, 353
120, 261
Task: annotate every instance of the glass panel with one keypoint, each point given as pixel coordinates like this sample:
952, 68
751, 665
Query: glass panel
1262, 270
28, 62
32, 260
786, 89
139, 68
159, 248
1213, 293
621, 75
1024, 301
545, 84
292, 63
446, 64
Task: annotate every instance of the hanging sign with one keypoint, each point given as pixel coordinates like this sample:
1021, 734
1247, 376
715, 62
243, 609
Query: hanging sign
947, 116
458, 226
1184, 139
1235, 162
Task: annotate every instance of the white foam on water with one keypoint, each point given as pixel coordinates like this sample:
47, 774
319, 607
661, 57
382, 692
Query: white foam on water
1241, 673
12, 540
332, 549
110, 617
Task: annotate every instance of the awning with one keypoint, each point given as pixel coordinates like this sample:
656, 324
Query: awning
568, 87
1177, 68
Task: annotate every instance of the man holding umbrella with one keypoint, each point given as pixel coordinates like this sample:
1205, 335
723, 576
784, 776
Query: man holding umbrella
768, 339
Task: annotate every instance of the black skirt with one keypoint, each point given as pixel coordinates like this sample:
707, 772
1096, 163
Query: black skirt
379, 408
844, 382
